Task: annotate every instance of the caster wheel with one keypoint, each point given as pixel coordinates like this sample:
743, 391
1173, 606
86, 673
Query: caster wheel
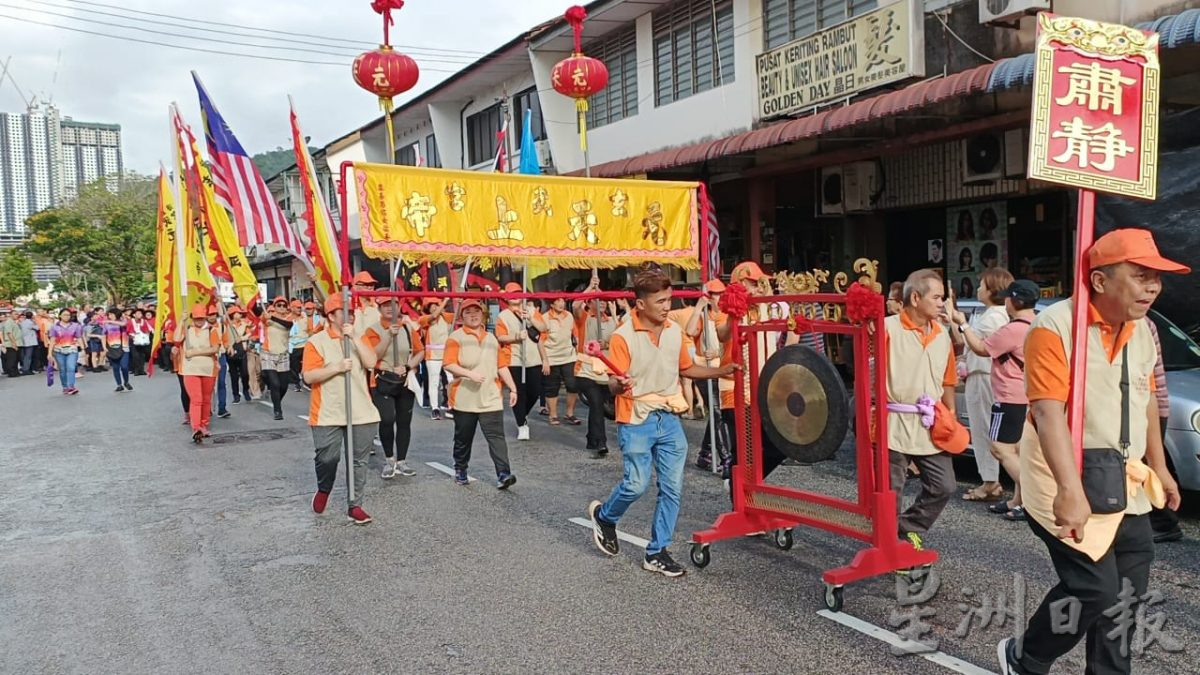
783, 539
700, 556
833, 598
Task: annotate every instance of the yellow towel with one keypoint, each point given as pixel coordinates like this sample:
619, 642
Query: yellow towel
1138, 474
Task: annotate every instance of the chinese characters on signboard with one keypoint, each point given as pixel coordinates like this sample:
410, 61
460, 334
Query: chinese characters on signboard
868, 51
1095, 107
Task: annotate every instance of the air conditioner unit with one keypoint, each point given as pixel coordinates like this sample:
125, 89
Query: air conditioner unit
1002, 10
829, 191
858, 186
543, 153
982, 159
1014, 153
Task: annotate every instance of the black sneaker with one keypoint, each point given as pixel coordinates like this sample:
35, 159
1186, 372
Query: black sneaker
662, 563
604, 534
1006, 654
223, 413
120, 389
600, 453
505, 481
278, 416
128, 387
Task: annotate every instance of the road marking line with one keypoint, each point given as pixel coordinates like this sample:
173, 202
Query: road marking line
447, 470
267, 403
303, 417
871, 630
636, 541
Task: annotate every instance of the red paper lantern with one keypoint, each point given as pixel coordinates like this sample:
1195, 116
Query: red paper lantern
385, 73
579, 76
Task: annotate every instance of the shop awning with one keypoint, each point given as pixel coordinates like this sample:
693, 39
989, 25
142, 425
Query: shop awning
917, 96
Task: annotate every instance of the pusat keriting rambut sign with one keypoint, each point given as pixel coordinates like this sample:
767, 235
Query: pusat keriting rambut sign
872, 50
1095, 107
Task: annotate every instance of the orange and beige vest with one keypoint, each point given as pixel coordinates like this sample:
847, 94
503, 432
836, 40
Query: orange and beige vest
531, 356
483, 358
436, 334
327, 404
654, 370
559, 350
403, 347
1101, 425
202, 366
913, 370
277, 336
589, 366
365, 317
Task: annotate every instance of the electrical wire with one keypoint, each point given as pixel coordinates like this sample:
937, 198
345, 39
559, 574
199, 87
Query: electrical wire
950, 30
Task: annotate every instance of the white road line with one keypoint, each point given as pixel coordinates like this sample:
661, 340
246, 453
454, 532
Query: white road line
446, 470
871, 630
267, 403
303, 417
636, 541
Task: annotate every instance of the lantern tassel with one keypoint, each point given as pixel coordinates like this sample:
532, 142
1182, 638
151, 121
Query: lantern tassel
581, 105
386, 105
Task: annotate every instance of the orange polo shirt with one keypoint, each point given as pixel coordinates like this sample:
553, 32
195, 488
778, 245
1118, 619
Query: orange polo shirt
1047, 372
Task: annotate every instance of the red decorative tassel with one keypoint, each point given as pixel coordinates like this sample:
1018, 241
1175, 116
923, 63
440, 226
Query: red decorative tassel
735, 301
862, 304
575, 16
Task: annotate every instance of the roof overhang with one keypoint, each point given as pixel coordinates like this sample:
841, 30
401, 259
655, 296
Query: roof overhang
603, 17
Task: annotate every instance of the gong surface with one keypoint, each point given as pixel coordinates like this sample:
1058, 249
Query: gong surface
802, 404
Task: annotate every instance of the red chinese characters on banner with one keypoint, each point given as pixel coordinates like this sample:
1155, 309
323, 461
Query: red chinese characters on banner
1095, 109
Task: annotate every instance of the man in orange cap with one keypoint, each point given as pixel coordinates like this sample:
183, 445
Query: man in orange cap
525, 361
276, 362
591, 376
1097, 531
240, 339
479, 366
366, 314
325, 369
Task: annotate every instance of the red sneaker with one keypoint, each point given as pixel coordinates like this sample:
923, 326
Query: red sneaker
359, 516
319, 501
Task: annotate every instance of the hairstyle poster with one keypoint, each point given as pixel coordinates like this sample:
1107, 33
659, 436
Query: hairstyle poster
976, 239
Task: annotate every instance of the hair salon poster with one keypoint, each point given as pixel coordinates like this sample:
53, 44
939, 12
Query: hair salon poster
976, 239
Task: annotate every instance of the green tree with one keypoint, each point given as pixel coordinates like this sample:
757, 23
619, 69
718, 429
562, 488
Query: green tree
16, 274
273, 161
102, 240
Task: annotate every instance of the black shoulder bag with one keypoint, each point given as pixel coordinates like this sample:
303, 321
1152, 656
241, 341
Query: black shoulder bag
1103, 473
387, 382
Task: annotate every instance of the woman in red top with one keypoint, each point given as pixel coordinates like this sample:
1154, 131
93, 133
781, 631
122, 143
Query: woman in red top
140, 330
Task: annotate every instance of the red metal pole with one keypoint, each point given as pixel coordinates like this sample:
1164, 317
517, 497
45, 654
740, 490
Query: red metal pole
702, 231
345, 238
1085, 234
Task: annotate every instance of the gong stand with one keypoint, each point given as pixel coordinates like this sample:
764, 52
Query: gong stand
759, 507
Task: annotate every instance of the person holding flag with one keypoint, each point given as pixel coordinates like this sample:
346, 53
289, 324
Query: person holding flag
276, 364
200, 344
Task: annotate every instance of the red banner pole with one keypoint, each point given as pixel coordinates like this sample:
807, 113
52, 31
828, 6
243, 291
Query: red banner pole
1085, 234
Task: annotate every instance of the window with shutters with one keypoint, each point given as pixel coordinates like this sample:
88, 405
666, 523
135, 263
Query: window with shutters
787, 20
433, 159
693, 48
482, 128
528, 100
618, 100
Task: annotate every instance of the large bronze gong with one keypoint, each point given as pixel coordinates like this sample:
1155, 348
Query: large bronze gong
803, 404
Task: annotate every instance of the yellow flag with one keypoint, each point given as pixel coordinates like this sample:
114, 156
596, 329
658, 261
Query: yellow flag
225, 256
318, 234
195, 284
164, 264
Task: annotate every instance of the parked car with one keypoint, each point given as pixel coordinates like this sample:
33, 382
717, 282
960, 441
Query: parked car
1181, 359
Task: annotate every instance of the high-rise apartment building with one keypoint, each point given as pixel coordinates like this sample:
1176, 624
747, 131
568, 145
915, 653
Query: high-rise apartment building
89, 151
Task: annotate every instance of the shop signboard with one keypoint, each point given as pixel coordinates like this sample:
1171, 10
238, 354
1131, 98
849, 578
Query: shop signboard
869, 51
1095, 107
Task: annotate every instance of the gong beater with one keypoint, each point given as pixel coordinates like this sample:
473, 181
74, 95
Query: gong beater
803, 405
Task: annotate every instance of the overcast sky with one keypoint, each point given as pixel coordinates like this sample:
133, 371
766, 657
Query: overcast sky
105, 79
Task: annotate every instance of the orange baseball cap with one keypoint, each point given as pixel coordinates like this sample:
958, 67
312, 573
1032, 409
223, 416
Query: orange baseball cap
236, 309
310, 305
1133, 246
715, 286
747, 271
364, 277
278, 299
333, 302
296, 303
212, 310
199, 312
512, 287
470, 302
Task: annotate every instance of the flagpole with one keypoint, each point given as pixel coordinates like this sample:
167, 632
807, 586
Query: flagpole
713, 412
587, 172
349, 402
511, 119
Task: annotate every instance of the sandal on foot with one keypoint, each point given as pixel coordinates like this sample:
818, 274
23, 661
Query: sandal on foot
554, 422
573, 420
977, 494
1017, 514
999, 508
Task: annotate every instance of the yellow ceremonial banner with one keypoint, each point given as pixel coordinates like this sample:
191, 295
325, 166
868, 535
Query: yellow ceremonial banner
194, 284
435, 215
225, 254
164, 264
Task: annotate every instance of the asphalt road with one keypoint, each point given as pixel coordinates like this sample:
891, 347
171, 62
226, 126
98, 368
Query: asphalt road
126, 549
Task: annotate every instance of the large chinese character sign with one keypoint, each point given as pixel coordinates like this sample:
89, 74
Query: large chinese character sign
1095, 107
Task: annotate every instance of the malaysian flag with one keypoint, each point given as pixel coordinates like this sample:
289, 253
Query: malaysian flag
240, 188
712, 234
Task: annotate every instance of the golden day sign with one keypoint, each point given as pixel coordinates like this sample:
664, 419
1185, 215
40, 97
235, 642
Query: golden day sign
1095, 107
435, 215
868, 51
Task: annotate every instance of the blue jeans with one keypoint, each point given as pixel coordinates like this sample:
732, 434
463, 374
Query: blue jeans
659, 441
66, 368
221, 384
120, 369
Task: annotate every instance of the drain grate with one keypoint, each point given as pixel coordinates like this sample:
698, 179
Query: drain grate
254, 436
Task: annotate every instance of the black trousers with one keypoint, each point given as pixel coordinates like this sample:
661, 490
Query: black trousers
1096, 585
40, 356
239, 377
12, 358
706, 445
139, 356
559, 375
277, 385
527, 393
395, 421
594, 395
1164, 519
492, 425
295, 360
183, 396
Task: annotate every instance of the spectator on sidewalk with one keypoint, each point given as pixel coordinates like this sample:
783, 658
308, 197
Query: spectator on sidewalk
1163, 521
29, 342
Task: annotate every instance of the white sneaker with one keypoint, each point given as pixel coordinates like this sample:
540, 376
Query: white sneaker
389, 471
523, 433
403, 469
